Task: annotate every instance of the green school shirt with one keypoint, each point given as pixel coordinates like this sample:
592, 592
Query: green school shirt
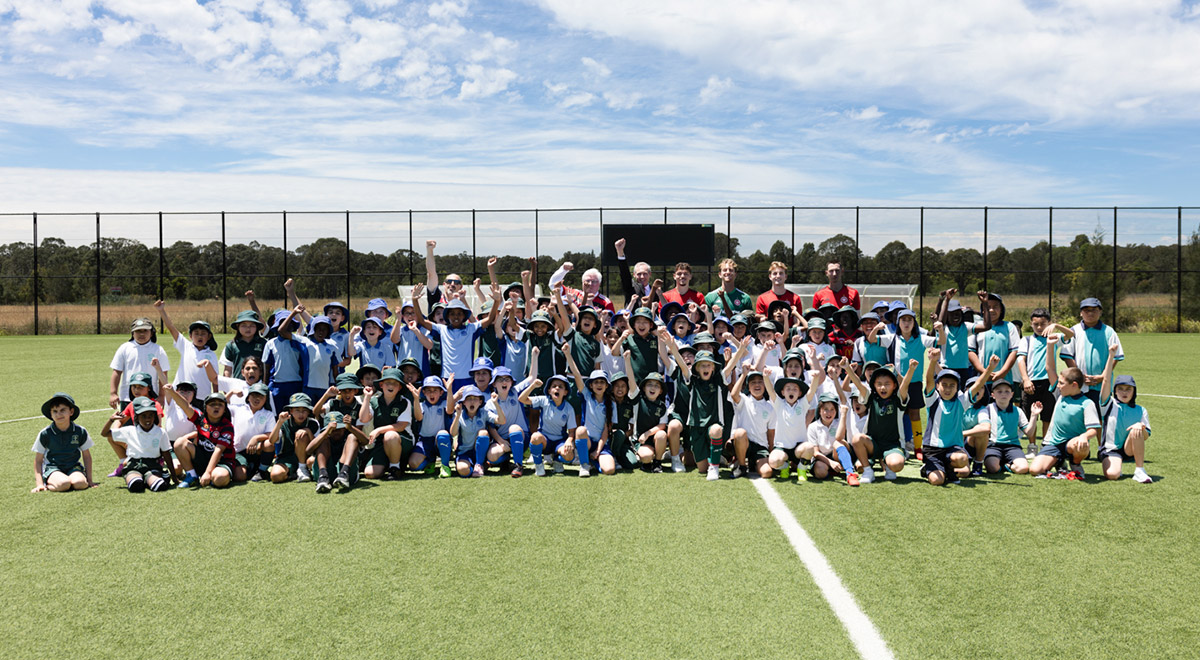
706, 402
649, 413
237, 351
885, 421
585, 350
62, 449
644, 355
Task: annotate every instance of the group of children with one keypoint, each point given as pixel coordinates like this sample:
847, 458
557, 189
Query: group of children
440, 388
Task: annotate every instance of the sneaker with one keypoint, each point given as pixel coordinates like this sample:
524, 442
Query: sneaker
1077, 470
976, 469
395, 473
919, 455
888, 474
714, 473
429, 470
517, 471
738, 471
909, 447
558, 466
801, 473
677, 464
585, 471
342, 482
303, 474
477, 472
189, 481
323, 485
1140, 476
852, 478
786, 472
656, 468
445, 472
868, 476
120, 471
258, 477
539, 469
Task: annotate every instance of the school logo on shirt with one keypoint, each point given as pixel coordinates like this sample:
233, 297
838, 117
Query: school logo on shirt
844, 299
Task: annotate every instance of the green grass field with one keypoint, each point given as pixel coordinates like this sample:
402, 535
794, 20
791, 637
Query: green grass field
635, 565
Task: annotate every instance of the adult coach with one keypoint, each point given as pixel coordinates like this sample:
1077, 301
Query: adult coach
434, 293
836, 293
639, 284
728, 297
589, 294
778, 275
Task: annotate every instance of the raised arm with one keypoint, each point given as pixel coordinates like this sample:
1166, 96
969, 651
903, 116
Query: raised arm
289, 287
862, 389
491, 266
931, 369
495, 311
1106, 381
623, 271
987, 316
566, 350
417, 415
250, 299
421, 320
664, 337
732, 362
735, 392
285, 328
1051, 358
984, 378
168, 391
523, 397
431, 277
166, 318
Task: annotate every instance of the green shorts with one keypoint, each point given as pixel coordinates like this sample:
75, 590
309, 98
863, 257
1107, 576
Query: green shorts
699, 443
48, 469
378, 456
881, 451
623, 453
143, 466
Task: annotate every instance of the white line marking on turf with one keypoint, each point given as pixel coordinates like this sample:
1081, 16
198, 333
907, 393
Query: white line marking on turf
28, 419
1171, 396
862, 632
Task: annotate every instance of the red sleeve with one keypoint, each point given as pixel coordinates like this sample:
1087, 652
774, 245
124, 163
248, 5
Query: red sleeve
696, 297
128, 411
195, 418
854, 299
760, 305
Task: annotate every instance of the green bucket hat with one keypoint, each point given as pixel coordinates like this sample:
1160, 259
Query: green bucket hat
785, 380
409, 362
643, 313
826, 397
347, 381
540, 316
653, 376
258, 388
816, 324
60, 397
143, 404
300, 400
333, 418
216, 396
705, 356
248, 315
704, 338
391, 373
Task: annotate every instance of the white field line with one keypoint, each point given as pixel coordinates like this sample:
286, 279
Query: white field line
1171, 396
28, 419
862, 632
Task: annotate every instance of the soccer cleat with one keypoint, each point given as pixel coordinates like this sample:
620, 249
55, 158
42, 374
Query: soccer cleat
738, 471
395, 473
852, 478
786, 472
677, 464
429, 470
584, 471
801, 473
976, 469
888, 474
445, 472
517, 471
868, 475
1077, 470
714, 473
303, 474
477, 472
119, 471
558, 466
1140, 476
258, 477
342, 482
323, 485
656, 468
189, 481
539, 469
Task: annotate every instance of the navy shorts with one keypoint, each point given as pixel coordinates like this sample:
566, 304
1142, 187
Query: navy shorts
1058, 452
1117, 453
1005, 453
916, 397
426, 446
938, 460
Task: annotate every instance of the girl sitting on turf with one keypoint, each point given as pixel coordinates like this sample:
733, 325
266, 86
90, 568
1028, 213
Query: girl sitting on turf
198, 345
470, 428
791, 399
909, 343
145, 443
139, 387
432, 416
175, 418
825, 436
650, 422
1009, 424
591, 438
1126, 424
511, 440
210, 447
753, 424
252, 425
557, 422
63, 459
132, 357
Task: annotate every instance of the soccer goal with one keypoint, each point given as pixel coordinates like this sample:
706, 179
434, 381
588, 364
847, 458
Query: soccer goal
868, 294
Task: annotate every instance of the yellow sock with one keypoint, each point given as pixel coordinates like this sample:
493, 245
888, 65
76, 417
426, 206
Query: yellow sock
917, 435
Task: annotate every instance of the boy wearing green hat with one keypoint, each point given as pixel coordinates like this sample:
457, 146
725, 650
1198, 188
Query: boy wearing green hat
391, 413
337, 444
708, 408
248, 341
294, 432
145, 444
197, 346
63, 457
887, 400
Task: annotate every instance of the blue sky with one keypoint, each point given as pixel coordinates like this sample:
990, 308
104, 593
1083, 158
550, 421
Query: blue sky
271, 104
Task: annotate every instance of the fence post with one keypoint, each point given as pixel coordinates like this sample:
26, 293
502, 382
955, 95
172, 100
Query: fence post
1050, 264
985, 248
285, 265
224, 277
36, 275
1178, 272
728, 232
1114, 272
474, 256
161, 268
410, 252
792, 260
536, 251
857, 274
97, 272
601, 253
921, 262
348, 259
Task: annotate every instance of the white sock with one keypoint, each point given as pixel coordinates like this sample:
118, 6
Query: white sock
395, 465
191, 473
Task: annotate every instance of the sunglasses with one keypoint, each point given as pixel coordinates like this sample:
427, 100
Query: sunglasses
453, 282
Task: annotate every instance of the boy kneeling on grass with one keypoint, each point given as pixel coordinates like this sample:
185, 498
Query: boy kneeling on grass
64, 456
1075, 423
145, 445
944, 454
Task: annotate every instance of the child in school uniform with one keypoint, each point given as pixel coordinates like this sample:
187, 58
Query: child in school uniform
336, 446
252, 424
1126, 424
132, 357
1031, 366
324, 359
1001, 338
649, 424
469, 429
825, 435
1075, 423
1008, 425
1086, 346
210, 448
139, 387
977, 425
910, 343
882, 439
868, 347
753, 433
174, 418
510, 440
146, 445
954, 333
583, 336
293, 435
791, 398
557, 422
372, 346
591, 438
944, 454
431, 414
642, 344
248, 341
457, 336
409, 339
338, 315
391, 413
63, 456
285, 360
196, 346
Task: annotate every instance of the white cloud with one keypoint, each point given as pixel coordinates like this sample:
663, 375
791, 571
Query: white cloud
1073, 61
619, 101
866, 114
714, 88
580, 99
483, 82
667, 110
555, 89
596, 68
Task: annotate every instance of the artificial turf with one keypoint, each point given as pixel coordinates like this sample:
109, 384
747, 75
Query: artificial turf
634, 565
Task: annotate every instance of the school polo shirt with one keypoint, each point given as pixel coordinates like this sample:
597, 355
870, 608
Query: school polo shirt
1090, 346
142, 444
62, 449
556, 420
381, 354
1118, 417
954, 356
791, 427
132, 357
458, 346
469, 427
189, 355
1033, 349
1073, 415
885, 419
1007, 425
756, 416
1000, 340
947, 419
237, 351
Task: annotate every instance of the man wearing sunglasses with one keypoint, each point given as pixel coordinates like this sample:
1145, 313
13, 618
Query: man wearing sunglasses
436, 292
